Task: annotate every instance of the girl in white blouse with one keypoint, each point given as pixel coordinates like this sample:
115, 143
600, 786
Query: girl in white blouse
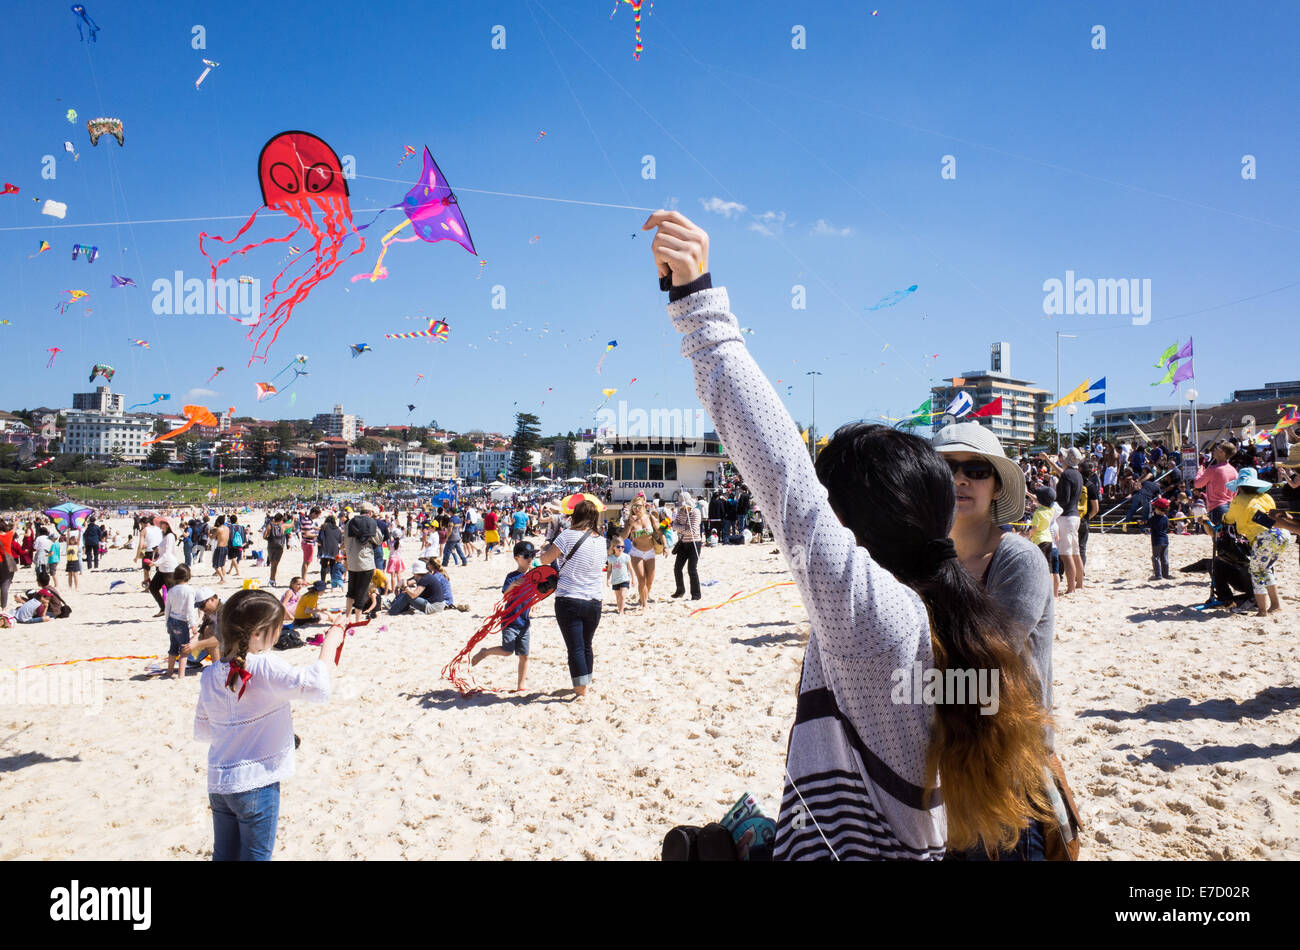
243, 711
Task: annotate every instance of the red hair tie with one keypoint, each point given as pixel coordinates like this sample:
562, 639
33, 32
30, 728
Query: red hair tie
238, 671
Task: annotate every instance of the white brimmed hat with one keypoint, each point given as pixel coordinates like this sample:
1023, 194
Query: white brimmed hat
974, 439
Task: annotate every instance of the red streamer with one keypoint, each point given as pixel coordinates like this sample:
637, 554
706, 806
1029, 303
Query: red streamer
535, 586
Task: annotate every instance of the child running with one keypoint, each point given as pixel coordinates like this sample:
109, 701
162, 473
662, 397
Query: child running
619, 575
243, 712
514, 638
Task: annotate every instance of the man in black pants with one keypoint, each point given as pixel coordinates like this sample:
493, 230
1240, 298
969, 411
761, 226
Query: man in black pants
90, 539
1092, 494
717, 511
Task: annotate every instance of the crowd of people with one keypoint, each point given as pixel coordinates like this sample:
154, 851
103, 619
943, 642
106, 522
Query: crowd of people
944, 556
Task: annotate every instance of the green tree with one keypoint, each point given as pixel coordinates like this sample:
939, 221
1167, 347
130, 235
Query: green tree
193, 457
527, 438
462, 444
257, 448
568, 459
115, 457
158, 457
285, 435
366, 444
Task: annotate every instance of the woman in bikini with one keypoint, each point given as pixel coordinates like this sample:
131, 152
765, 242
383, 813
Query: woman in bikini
644, 531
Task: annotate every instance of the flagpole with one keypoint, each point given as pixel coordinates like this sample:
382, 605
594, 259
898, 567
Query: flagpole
1057, 424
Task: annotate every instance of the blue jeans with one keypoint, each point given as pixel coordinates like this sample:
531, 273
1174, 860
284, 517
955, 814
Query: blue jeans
404, 601
578, 620
1030, 847
244, 823
189, 551
336, 574
453, 549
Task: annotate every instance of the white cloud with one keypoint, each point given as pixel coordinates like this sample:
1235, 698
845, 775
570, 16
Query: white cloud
727, 209
199, 394
825, 229
769, 223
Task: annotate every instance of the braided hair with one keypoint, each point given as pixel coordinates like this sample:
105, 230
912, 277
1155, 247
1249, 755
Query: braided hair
243, 615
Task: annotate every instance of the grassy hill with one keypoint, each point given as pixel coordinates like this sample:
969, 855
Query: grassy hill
125, 486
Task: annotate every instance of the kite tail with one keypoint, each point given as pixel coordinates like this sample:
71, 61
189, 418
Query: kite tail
387, 239
507, 611
337, 227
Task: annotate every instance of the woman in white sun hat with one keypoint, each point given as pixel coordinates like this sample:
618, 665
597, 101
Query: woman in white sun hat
990, 490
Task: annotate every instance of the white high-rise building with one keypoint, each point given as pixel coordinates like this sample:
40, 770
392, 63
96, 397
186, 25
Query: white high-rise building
102, 399
101, 434
340, 424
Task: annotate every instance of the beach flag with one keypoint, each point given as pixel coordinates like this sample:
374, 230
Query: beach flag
1183, 373
1099, 387
1077, 394
1163, 359
1185, 353
987, 412
1169, 375
804, 435
1142, 435
960, 405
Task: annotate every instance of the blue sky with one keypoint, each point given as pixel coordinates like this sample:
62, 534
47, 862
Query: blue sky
1116, 163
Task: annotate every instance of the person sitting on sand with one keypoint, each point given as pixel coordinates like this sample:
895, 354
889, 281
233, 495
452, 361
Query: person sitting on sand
865, 534
1252, 516
514, 638
428, 590
36, 609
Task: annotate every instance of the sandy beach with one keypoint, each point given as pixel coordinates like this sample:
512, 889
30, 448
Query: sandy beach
1180, 731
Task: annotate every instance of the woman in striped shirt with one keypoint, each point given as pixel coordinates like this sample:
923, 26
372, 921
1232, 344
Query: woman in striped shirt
866, 537
686, 522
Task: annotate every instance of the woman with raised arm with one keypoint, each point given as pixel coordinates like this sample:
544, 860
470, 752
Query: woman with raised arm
865, 535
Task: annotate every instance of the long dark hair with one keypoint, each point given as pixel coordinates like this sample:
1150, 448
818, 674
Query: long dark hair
894, 492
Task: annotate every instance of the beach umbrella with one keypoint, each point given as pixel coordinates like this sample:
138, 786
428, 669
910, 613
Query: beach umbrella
495, 484
574, 481
68, 515
568, 504
598, 475
504, 492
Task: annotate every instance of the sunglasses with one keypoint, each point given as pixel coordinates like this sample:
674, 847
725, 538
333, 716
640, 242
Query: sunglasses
976, 471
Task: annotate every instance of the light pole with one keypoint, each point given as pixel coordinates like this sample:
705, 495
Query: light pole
320, 447
812, 431
1070, 410
1057, 424
1196, 435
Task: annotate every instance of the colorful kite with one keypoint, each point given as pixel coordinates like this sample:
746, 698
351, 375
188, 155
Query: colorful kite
418, 377
890, 299
216, 372
608, 346
143, 344
90, 252
53, 351
636, 18
67, 147
71, 115
608, 394
534, 239
438, 330
431, 207
195, 416
300, 175
73, 297
116, 280
45, 246
410, 408
157, 398
265, 391
55, 209
359, 348
102, 369
406, 153
208, 66
105, 125
9, 189
371, 276
297, 361
481, 265
540, 136
91, 27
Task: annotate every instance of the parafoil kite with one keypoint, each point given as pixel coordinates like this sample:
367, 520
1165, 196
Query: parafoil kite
105, 125
101, 369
